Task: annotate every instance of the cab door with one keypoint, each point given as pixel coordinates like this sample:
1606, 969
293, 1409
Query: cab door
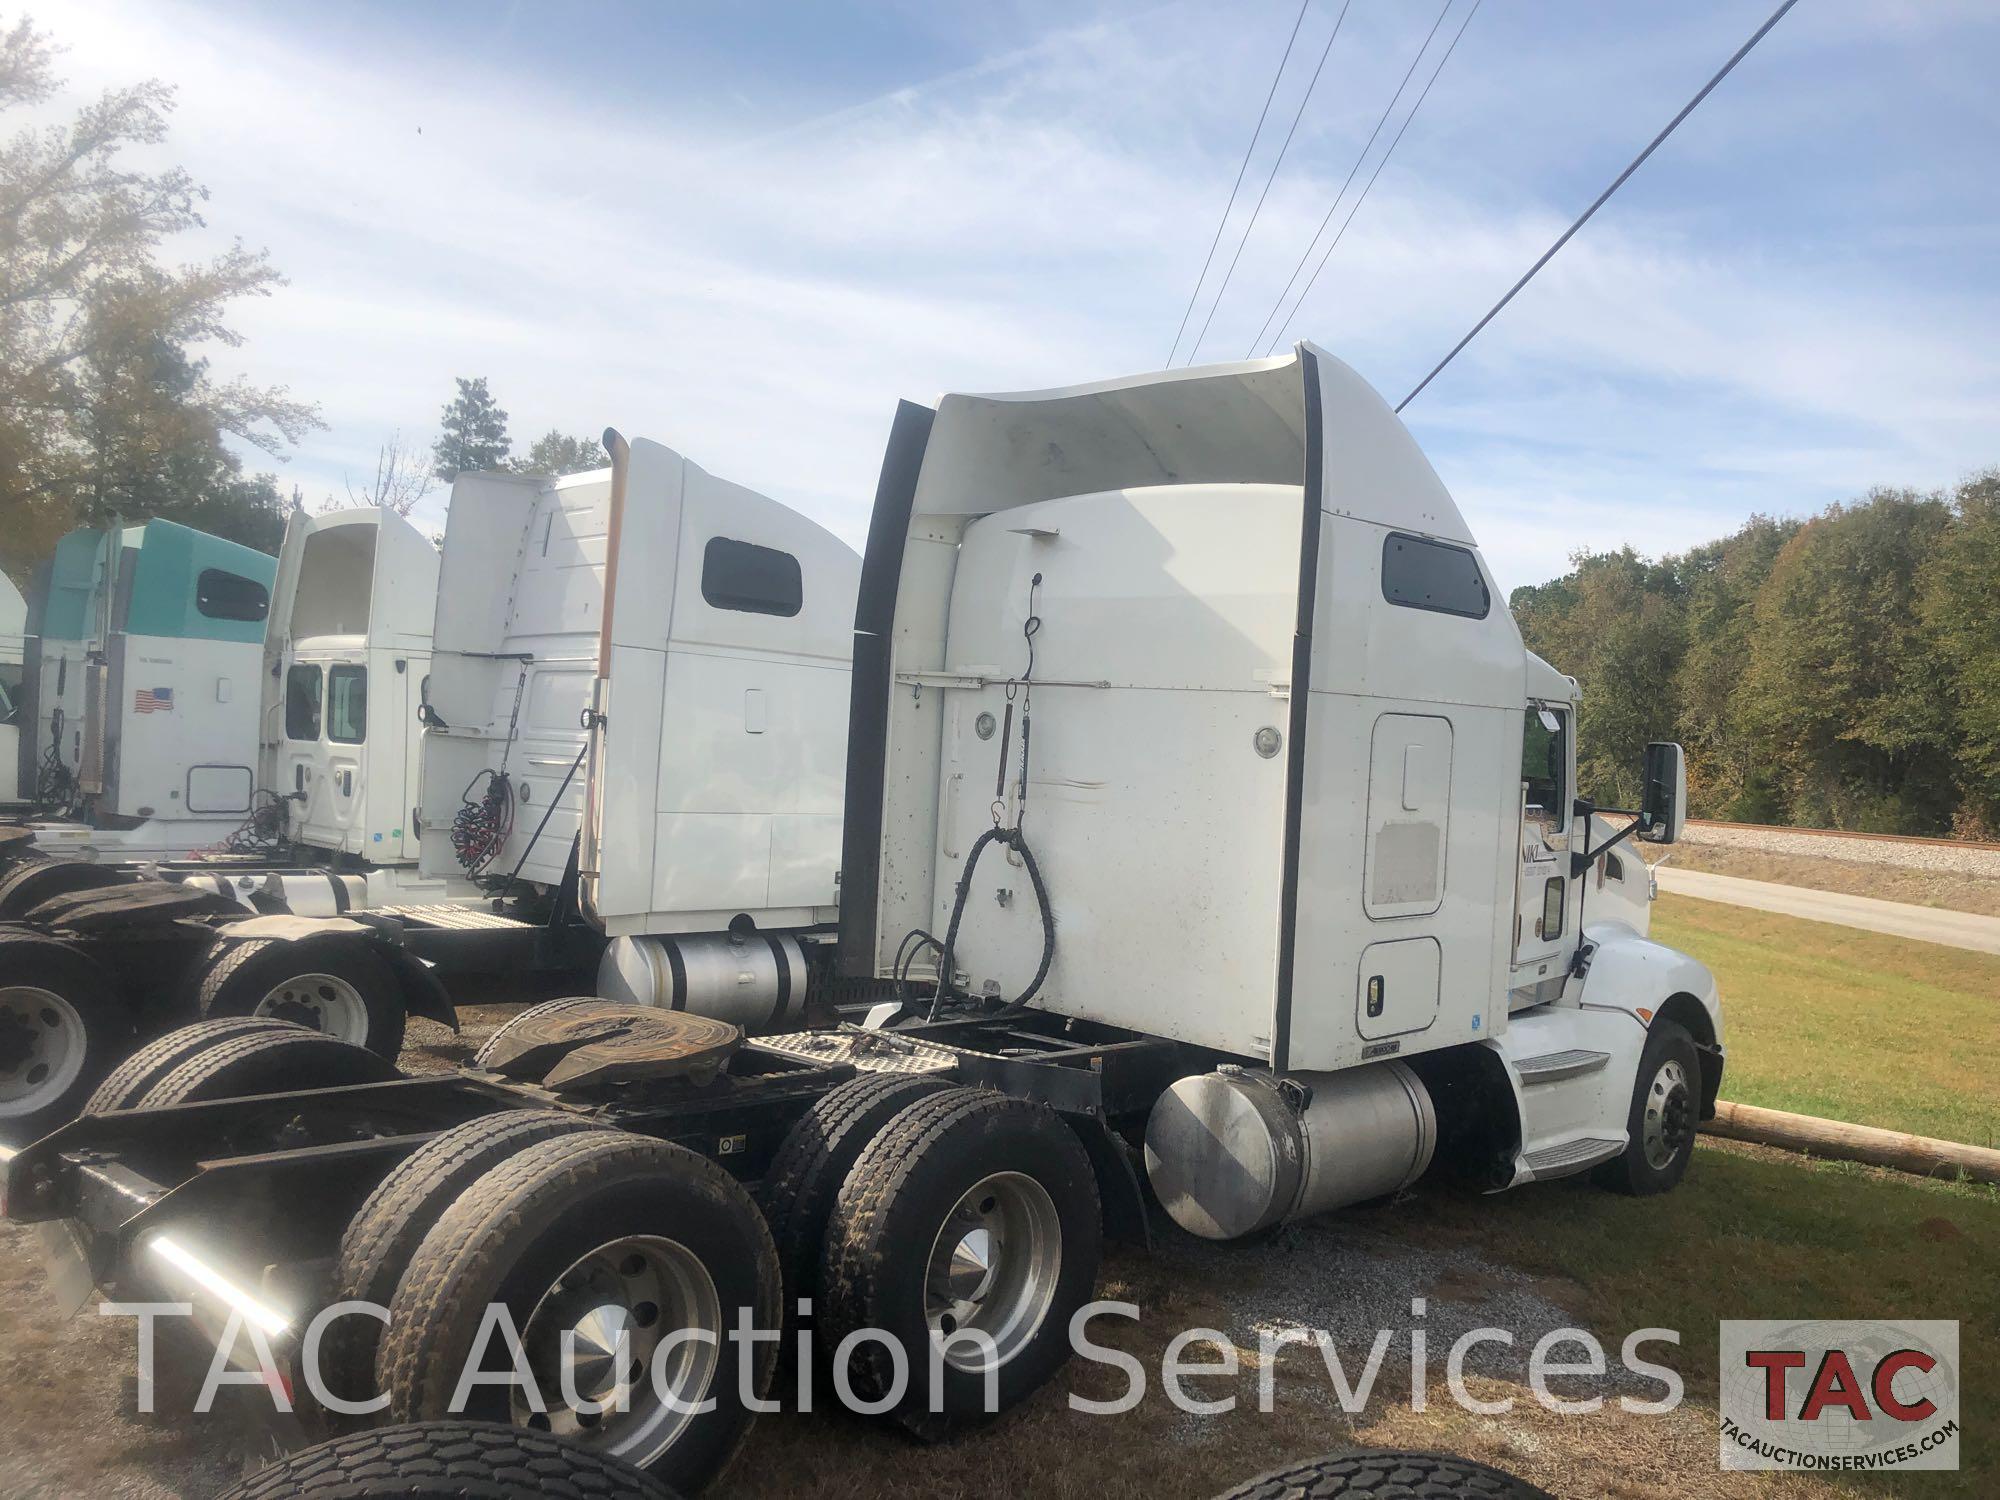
1543, 918
346, 735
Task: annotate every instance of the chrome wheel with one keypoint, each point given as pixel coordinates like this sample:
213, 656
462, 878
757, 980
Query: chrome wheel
324, 1002
612, 1317
42, 1047
1668, 1121
993, 1270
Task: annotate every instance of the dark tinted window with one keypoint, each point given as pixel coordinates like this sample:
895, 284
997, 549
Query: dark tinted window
742, 575
230, 596
347, 705
1433, 575
302, 685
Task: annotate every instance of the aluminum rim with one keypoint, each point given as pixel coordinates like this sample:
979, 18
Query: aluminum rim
617, 1308
993, 1270
42, 1047
325, 1002
1669, 1116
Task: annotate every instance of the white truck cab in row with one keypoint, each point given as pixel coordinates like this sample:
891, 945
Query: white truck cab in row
1208, 668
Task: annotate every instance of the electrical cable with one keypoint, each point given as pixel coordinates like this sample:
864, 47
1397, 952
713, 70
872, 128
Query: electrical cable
1194, 349
1011, 837
1602, 198
482, 825
1248, 152
1334, 206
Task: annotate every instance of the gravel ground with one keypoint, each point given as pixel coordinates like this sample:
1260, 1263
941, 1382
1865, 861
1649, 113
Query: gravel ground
1937, 857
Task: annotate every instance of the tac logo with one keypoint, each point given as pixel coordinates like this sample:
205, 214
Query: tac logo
1847, 1395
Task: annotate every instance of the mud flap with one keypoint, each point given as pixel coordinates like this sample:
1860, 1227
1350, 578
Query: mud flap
1120, 1199
424, 993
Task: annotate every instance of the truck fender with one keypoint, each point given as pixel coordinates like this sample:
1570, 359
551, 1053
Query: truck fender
424, 993
1656, 983
1121, 1202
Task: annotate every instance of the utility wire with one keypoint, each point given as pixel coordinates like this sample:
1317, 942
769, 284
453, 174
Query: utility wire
1617, 182
1248, 151
1335, 207
1297, 115
1369, 185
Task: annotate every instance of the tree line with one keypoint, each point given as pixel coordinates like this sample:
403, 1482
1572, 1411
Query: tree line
1840, 672
107, 409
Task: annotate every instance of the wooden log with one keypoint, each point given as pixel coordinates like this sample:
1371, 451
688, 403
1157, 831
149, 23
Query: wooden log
1863, 1143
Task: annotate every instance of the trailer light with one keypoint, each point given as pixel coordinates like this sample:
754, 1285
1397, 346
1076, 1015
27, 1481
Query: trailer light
217, 1285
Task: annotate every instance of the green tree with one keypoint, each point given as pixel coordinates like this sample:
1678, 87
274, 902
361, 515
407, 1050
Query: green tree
1961, 607
472, 435
1844, 687
557, 453
102, 408
1615, 623
1721, 582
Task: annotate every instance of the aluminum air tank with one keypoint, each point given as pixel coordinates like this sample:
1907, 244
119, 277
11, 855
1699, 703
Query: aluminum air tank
756, 980
1235, 1151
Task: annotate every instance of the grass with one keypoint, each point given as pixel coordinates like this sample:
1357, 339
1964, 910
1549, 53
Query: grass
1849, 1025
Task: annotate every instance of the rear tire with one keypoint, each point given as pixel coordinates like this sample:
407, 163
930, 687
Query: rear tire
814, 1159
334, 982
606, 1230
1666, 1102
1385, 1474
273, 1061
125, 1085
448, 1461
62, 1028
970, 1210
28, 885
387, 1229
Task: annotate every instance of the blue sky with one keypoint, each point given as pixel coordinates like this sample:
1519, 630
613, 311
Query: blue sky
746, 229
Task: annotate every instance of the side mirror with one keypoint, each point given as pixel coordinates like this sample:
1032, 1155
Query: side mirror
1663, 806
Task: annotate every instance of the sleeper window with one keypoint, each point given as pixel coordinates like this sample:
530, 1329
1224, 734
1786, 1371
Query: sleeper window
743, 576
230, 596
1422, 574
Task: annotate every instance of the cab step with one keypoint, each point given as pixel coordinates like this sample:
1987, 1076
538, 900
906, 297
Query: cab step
1553, 1067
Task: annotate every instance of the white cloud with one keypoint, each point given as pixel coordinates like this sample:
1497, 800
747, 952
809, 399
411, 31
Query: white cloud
761, 299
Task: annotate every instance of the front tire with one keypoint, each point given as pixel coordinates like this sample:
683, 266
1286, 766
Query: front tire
971, 1212
333, 982
1666, 1102
619, 1241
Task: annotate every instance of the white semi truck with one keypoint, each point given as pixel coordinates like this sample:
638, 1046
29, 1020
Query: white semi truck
709, 859
143, 650
1208, 819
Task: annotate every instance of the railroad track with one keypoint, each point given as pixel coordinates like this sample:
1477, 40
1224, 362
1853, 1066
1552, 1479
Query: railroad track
1843, 833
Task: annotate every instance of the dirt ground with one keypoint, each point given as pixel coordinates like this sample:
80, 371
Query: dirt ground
69, 1425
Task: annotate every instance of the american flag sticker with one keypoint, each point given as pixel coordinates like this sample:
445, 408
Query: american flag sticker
153, 701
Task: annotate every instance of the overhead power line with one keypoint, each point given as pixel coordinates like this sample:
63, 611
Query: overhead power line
1602, 198
1248, 151
1334, 207
1195, 348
